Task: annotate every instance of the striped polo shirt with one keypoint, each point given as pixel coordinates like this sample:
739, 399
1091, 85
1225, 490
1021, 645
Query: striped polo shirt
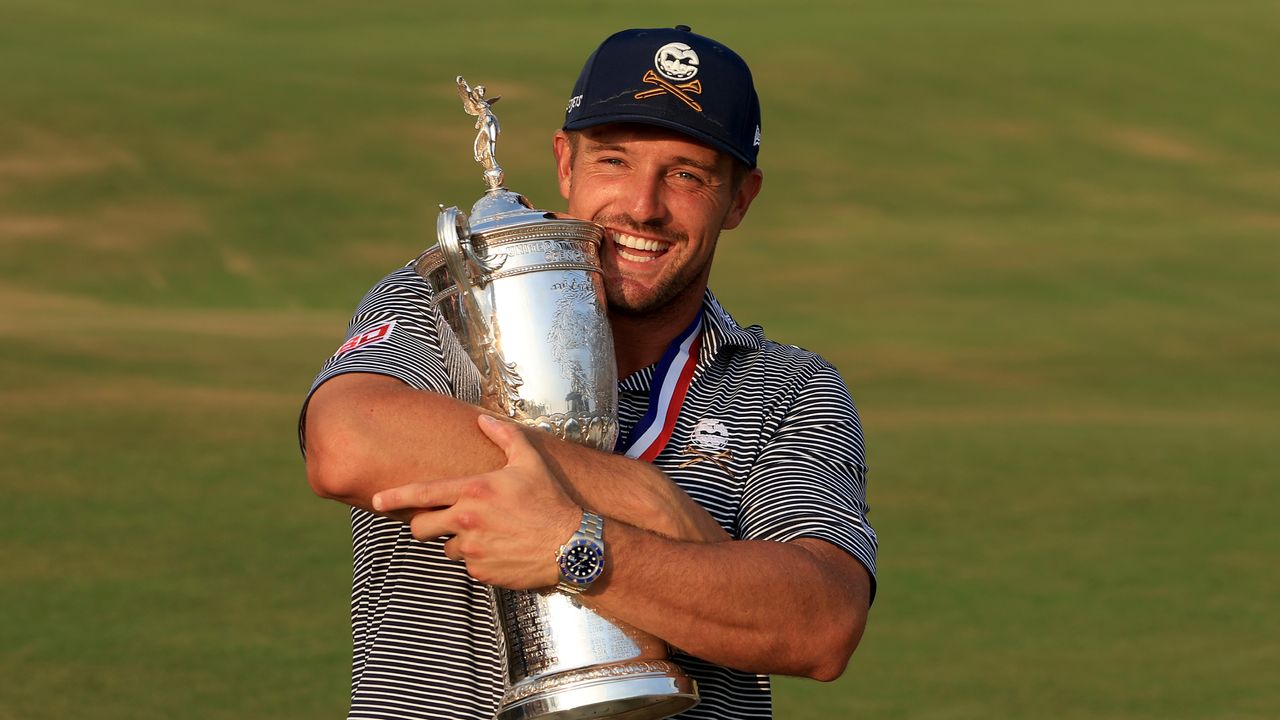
768, 441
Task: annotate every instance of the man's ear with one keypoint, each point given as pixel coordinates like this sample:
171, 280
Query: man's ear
563, 150
747, 191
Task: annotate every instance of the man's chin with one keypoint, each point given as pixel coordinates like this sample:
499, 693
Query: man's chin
647, 303
633, 305
628, 309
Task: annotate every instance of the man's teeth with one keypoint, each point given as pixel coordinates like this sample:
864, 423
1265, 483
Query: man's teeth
638, 243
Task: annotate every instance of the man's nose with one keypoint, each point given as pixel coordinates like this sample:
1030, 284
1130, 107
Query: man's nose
645, 200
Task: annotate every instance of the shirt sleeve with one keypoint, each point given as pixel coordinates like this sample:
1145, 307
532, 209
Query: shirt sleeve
397, 331
810, 479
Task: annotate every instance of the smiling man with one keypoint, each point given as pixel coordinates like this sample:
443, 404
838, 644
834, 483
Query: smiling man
744, 542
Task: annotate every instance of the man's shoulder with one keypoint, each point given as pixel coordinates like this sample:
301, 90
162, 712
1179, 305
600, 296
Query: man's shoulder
401, 288
404, 277
788, 369
792, 353
750, 344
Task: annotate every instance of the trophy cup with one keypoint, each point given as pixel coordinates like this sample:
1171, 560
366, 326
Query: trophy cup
522, 291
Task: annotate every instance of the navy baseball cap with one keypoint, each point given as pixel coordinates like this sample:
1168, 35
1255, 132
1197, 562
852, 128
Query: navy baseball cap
674, 78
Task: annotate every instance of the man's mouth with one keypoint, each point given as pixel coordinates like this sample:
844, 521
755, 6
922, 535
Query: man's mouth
638, 249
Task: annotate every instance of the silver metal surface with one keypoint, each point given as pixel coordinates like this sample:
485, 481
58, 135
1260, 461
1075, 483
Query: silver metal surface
522, 290
488, 129
527, 305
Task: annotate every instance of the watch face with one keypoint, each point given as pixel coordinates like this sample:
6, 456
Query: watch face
582, 561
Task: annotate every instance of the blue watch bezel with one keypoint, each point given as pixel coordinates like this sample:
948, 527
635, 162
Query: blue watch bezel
566, 565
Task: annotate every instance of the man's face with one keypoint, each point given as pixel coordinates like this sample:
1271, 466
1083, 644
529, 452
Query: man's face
663, 199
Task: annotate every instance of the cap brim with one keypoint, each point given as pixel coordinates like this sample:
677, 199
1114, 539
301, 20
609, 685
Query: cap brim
704, 138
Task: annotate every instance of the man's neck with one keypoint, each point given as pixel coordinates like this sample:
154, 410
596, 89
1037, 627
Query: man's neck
640, 340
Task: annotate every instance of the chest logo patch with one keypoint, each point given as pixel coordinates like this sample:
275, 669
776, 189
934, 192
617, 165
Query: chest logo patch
710, 435
368, 337
708, 441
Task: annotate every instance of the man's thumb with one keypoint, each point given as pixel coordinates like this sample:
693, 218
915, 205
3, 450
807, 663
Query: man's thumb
504, 434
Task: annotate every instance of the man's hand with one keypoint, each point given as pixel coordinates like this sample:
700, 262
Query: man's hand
505, 525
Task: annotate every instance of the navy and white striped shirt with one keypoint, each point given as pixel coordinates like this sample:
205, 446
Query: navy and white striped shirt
768, 441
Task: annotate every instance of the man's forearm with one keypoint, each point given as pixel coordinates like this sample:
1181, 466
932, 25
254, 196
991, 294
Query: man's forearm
793, 608
634, 492
367, 433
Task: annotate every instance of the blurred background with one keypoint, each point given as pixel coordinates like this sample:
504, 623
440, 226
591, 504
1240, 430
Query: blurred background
1034, 237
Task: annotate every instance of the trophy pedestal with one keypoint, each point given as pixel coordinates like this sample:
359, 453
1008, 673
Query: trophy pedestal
566, 662
646, 690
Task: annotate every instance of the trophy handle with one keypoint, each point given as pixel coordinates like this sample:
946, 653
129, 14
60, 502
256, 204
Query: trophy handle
471, 274
452, 231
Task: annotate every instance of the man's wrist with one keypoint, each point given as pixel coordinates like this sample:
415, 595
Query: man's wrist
581, 558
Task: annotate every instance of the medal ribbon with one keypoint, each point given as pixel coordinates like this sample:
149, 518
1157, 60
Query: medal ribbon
671, 380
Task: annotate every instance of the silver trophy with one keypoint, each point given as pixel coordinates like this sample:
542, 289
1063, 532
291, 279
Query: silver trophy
522, 291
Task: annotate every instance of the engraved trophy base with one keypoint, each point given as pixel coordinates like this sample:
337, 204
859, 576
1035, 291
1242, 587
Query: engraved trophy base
644, 690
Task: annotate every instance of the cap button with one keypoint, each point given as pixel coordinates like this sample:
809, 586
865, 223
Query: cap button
683, 28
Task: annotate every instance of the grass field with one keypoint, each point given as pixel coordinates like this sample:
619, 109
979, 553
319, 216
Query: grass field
1039, 239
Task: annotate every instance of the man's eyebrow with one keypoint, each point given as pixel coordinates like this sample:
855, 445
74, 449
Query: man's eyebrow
699, 164
596, 146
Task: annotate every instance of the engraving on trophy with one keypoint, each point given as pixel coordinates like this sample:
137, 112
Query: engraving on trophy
530, 632
570, 340
552, 251
565, 255
574, 286
522, 249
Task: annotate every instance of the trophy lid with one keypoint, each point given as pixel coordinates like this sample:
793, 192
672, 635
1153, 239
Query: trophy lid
502, 216
501, 209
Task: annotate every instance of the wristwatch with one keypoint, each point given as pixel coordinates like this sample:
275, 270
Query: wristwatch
581, 558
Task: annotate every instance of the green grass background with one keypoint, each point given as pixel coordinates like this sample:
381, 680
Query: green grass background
1039, 239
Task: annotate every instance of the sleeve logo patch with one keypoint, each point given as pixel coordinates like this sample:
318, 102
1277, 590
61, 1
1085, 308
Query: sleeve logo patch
368, 337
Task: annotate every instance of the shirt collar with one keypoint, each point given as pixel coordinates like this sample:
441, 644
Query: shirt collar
719, 331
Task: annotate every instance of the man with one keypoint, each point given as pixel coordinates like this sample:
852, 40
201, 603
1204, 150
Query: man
744, 544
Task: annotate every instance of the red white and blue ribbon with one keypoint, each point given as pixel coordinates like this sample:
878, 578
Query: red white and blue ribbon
671, 380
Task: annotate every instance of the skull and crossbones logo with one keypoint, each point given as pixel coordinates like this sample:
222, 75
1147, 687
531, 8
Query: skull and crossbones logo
676, 64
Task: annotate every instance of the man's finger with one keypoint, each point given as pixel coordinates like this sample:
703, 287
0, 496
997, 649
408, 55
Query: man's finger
436, 493
451, 550
431, 524
509, 438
